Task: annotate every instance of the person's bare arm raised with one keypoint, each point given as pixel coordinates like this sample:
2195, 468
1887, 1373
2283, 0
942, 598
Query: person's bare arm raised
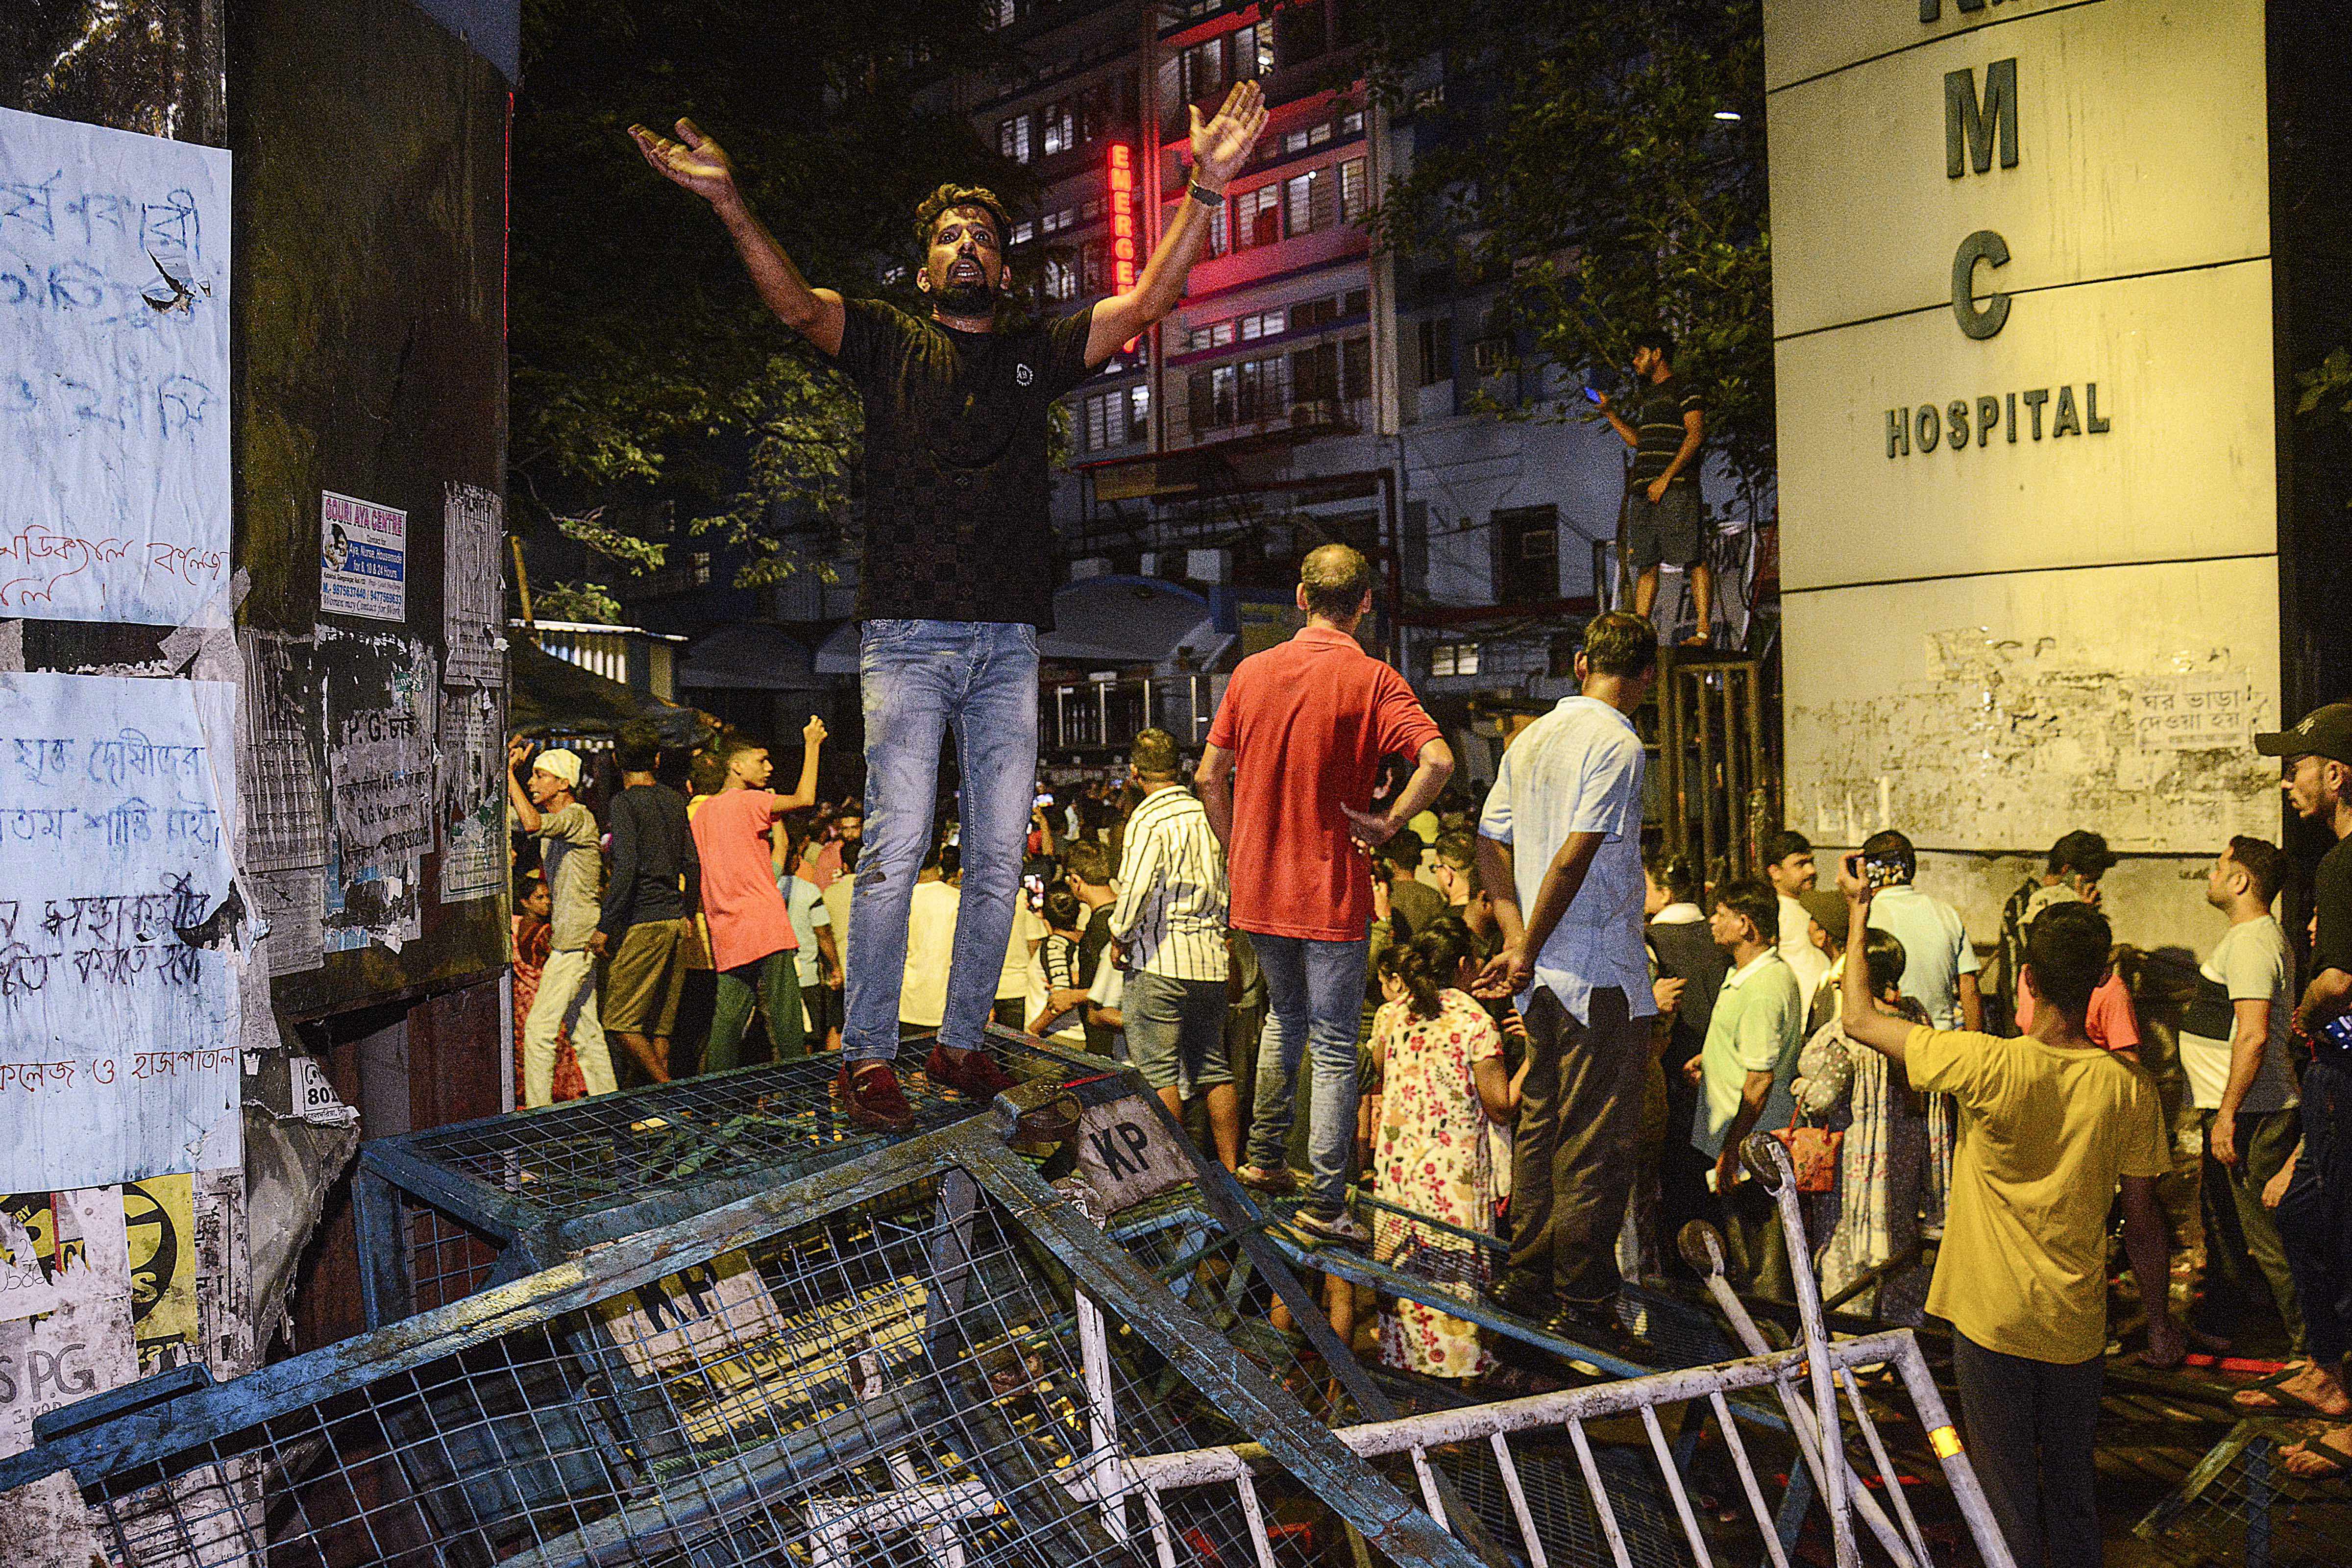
1220, 146
700, 165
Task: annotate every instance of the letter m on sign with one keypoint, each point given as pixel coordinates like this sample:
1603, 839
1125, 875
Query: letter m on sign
1969, 126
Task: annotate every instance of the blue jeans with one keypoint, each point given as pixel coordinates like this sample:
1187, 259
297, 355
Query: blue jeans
1315, 1004
2315, 1218
922, 680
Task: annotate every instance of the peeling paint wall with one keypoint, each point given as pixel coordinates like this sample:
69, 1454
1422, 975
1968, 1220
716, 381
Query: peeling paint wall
2047, 625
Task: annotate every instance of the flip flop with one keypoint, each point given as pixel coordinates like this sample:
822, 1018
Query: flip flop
2338, 1461
2274, 1400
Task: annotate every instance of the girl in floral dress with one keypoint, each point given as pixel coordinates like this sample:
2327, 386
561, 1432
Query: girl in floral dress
1444, 1087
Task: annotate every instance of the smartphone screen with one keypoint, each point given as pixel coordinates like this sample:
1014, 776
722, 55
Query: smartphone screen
1592, 396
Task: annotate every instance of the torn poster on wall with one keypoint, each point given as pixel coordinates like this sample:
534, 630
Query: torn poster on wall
362, 559
114, 456
117, 1006
381, 693
473, 800
279, 770
142, 1277
473, 586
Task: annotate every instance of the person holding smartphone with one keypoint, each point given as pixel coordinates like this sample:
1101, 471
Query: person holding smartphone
1664, 520
2051, 1124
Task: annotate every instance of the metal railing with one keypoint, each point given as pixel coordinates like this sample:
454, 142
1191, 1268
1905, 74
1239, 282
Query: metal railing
447, 1211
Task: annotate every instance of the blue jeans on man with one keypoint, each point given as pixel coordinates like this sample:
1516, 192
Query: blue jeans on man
923, 680
2314, 1218
1315, 1004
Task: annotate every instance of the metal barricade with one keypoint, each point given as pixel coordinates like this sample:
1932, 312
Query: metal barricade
2240, 1507
444, 1212
928, 1353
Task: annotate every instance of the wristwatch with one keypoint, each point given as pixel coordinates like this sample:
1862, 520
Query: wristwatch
1202, 194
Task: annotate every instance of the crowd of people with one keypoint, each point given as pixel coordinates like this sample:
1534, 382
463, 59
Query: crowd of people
1496, 1018
1507, 1018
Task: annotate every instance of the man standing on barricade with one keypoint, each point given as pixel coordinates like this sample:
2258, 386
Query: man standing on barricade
951, 602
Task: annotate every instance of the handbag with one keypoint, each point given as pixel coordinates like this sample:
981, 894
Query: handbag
1813, 1151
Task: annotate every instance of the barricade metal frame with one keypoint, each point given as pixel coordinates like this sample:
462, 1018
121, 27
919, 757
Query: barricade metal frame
972, 1416
447, 1211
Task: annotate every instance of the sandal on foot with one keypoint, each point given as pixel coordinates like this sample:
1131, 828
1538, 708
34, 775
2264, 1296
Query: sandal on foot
2334, 1463
2271, 1396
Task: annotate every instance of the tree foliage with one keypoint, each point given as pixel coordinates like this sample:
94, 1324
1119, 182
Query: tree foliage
646, 381
1578, 153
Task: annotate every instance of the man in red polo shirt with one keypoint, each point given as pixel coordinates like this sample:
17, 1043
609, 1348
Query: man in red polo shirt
1287, 778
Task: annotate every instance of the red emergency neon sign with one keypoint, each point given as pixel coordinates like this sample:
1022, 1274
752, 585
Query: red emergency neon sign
1122, 215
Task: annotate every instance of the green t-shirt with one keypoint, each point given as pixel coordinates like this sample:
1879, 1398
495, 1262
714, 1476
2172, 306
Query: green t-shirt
1758, 1025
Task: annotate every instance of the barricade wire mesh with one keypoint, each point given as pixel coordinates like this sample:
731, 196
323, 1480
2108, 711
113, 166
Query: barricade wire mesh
2243, 1506
910, 1379
588, 1154
447, 1258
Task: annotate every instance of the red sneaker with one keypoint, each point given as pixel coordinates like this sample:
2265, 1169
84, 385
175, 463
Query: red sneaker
968, 1072
869, 1092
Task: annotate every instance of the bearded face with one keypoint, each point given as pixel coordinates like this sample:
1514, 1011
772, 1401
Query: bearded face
964, 272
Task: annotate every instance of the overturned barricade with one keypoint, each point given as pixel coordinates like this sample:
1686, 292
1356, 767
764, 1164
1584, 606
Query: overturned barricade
444, 1212
926, 1352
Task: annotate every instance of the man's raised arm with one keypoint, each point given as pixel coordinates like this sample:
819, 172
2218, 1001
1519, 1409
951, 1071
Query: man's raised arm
699, 165
1219, 147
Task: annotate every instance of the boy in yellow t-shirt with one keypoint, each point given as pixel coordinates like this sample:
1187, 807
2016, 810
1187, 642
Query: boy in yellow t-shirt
2050, 1124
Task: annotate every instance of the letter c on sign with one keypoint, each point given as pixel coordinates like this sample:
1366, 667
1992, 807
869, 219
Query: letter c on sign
1989, 248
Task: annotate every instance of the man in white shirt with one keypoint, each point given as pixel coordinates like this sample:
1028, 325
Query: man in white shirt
1167, 932
1559, 850
1787, 858
931, 947
2233, 1052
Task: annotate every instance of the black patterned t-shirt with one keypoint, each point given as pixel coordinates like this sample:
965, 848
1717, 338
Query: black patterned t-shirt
957, 526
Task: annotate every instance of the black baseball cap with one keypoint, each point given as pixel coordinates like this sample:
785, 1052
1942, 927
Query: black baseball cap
2323, 732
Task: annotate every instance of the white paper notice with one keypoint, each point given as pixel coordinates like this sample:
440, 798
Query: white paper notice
114, 429
362, 559
118, 1033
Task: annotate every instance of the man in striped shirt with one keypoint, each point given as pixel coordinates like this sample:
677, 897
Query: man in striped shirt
1168, 931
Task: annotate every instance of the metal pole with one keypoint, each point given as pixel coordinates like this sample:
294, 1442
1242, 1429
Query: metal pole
1706, 777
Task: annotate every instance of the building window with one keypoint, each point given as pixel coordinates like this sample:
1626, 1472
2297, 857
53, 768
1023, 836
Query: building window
1092, 210
1203, 68
1060, 127
1436, 345
1253, 50
1356, 368
1119, 418
1094, 267
1526, 554
1012, 138
1453, 658
1351, 191
1061, 276
1306, 202
1315, 374
1294, 143
1022, 233
1002, 13
1213, 335
1352, 123
1257, 217
1264, 324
